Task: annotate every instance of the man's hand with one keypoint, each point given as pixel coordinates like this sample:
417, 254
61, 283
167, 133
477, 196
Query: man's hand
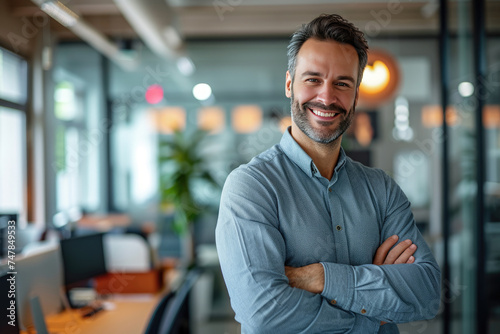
310, 278
401, 253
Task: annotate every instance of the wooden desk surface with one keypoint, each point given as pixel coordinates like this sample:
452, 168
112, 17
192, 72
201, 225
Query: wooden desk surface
104, 222
128, 314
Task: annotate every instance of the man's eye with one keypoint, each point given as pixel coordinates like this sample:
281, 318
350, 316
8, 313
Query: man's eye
312, 80
343, 84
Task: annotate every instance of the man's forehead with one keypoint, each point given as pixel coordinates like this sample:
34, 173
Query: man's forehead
327, 50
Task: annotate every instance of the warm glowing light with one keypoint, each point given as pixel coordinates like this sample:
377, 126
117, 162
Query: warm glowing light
167, 120
432, 116
381, 79
154, 94
363, 129
285, 122
376, 77
202, 91
491, 116
211, 119
247, 118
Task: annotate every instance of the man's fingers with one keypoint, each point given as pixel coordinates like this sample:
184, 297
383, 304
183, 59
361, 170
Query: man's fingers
381, 253
398, 251
407, 255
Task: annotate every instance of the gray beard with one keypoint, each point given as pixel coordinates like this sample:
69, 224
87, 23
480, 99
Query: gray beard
299, 116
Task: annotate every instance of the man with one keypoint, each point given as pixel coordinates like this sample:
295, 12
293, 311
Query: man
305, 235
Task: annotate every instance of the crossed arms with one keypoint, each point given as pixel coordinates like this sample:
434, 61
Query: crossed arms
312, 277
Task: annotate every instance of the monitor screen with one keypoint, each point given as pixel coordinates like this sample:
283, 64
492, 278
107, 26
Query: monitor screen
39, 274
4, 223
83, 258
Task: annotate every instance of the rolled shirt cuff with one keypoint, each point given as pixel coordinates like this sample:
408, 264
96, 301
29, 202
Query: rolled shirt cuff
339, 284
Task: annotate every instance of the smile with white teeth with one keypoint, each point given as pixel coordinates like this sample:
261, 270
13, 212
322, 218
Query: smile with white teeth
323, 114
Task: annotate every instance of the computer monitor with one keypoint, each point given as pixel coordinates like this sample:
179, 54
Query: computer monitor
8, 309
39, 275
5, 218
83, 258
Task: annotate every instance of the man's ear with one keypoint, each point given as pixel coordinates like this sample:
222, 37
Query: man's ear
288, 85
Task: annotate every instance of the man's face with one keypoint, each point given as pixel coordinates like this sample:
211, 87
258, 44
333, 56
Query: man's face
323, 92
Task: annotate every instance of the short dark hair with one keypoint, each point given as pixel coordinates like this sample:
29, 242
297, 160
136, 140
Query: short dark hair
329, 27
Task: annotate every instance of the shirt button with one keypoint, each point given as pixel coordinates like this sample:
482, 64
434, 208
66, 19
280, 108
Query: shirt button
333, 301
339, 228
363, 311
330, 189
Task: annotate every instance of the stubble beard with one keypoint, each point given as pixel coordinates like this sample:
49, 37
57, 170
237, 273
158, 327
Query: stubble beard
299, 117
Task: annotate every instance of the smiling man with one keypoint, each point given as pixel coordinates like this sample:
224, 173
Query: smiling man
310, 241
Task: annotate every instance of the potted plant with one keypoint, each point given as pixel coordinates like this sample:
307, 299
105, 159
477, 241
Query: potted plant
181, 165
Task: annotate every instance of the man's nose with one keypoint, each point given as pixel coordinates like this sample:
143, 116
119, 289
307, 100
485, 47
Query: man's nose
327, 94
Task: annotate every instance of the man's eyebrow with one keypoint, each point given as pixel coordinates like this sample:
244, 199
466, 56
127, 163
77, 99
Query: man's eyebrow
310, 73
318, 74
346, 77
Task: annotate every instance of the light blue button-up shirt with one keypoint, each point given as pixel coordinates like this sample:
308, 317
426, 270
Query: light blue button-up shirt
279, 211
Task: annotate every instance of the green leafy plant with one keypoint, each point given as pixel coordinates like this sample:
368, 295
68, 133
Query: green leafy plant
181, 165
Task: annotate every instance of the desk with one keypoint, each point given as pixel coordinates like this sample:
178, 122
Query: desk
104, 223
130, 314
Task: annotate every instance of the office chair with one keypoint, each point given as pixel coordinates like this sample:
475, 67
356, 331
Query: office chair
172, 313
155, 322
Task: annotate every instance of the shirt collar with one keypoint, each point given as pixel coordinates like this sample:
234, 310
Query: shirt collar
295, 153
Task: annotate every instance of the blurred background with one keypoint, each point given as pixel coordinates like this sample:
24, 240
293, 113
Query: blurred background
101, 103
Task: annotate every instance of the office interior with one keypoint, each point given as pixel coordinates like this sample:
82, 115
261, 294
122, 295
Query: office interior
124, 117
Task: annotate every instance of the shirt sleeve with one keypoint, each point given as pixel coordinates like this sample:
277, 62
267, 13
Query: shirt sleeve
393, 293
252, 256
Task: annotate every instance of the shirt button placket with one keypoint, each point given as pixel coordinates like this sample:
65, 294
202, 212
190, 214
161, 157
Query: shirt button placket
338, 227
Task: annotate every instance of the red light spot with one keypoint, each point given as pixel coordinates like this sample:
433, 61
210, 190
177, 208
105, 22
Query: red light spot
154, 94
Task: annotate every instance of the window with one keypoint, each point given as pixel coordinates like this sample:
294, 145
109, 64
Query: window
13, 78
69, 151
13, 185
12, 161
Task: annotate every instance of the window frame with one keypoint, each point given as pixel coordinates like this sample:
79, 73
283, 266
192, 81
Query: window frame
26, 214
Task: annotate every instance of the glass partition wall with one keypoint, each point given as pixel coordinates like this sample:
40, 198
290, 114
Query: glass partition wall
473, 120
491, 122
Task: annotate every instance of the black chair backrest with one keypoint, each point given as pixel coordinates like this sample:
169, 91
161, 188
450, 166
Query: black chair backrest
155, 322
176, 319
171, 316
